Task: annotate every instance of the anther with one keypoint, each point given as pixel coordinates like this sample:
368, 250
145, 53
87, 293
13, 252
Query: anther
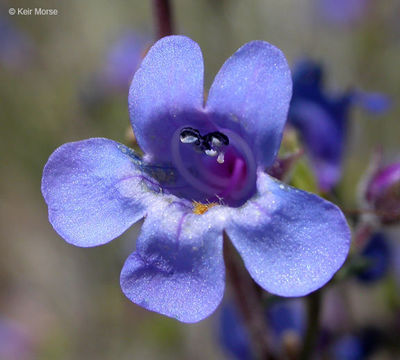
221, 158
210, 144
211, 152
216, 139
190, 136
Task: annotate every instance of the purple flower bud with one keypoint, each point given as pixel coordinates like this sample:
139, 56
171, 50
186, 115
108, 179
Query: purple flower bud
383, 193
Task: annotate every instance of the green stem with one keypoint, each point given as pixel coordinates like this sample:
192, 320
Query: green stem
248, 301
314, 305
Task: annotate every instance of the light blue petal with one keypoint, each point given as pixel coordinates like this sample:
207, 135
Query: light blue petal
177, 269
95, 189
291, 241
251, 95
165, 91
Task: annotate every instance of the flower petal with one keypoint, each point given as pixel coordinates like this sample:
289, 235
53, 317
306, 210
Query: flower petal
178, 268
168, 84
95, 190
253, 89
291, 241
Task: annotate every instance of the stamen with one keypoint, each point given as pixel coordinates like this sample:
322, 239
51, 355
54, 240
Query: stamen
234, 186
190, 136
216, 138
189, 139
211, 144
200, 208
192, 179
211, 152
221, 158
216, 142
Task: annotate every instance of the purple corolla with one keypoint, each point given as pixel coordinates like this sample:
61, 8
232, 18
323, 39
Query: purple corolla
202, 174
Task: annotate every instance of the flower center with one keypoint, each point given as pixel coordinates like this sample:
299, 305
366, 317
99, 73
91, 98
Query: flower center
219, 164
211, 144
200, 208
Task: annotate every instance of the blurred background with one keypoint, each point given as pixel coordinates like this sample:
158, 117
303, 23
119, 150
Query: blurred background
66, 78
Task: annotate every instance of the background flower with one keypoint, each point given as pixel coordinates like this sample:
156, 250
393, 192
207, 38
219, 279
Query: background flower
377, 254
322, 119
342, 12
16, 46
120, 62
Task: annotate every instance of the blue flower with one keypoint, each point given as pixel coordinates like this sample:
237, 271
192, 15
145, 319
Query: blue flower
348, 347
362, 344
285, 319
232, 333
202, 174
321, 119
342, 11
377, 253
123, 59
16, 48
287, 316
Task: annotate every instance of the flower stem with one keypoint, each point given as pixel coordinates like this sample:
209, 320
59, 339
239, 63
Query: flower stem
314, 304
248, 301
163, 17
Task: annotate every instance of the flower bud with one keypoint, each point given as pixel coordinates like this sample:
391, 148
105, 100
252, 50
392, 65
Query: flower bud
383, 193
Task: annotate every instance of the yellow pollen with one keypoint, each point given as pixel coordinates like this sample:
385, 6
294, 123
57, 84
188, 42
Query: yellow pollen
200, 208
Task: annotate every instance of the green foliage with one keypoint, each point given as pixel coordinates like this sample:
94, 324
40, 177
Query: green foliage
303, 177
